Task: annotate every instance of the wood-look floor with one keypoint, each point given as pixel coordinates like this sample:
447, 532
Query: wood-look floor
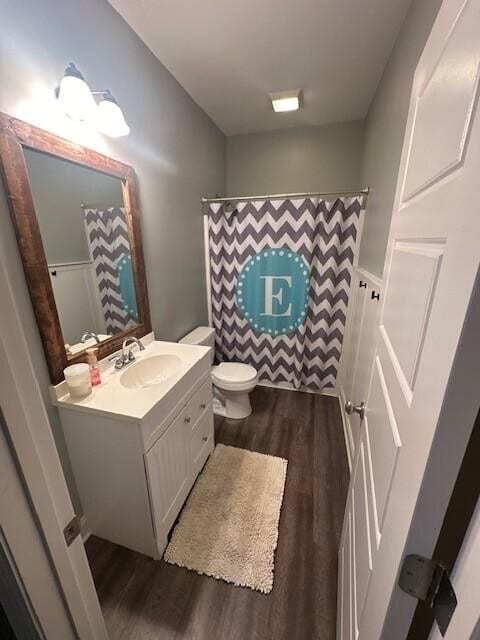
143, 599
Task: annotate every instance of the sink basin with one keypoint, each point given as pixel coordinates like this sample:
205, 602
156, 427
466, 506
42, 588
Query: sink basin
150, 371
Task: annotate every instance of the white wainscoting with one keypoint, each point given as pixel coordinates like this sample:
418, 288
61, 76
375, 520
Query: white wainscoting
358, 351
77, 298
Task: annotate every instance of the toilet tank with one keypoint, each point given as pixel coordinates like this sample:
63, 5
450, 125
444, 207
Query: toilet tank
201, 335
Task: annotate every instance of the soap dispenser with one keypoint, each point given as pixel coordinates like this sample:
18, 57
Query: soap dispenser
93, 366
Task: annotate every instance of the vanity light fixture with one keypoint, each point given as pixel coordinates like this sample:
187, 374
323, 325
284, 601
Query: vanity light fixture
285, 100
78, 102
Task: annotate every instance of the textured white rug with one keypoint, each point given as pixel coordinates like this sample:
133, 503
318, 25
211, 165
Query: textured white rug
229, 527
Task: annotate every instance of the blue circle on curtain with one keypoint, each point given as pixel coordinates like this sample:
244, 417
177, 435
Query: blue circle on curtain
127, 287
272, 291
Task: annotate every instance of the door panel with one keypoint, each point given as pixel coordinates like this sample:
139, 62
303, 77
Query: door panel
413, 274
384, 440
353, 576
357, 320
372, 507
346, 614
366, 348
344, 599
447, 92
362, 547
351, 581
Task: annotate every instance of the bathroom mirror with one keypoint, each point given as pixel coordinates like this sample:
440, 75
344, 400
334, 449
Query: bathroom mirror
76, 218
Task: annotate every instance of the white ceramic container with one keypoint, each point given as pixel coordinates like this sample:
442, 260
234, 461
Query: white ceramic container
77, 377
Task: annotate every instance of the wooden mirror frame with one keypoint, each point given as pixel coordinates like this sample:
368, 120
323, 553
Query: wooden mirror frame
14, 136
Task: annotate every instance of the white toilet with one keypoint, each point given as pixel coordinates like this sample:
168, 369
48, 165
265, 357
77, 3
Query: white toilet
232, 381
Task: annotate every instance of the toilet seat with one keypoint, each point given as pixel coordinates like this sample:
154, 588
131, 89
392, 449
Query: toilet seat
234, 376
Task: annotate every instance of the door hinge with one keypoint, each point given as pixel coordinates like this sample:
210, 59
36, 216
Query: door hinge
427, 580
72, 530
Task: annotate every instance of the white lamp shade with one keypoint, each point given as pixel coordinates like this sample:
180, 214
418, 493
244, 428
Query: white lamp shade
110, 119
75, 98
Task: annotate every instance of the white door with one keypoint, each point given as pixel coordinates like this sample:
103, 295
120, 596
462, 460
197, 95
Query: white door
44, 614
429, 278
31, 439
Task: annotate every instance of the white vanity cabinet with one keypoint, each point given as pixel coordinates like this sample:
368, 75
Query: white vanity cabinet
134, 475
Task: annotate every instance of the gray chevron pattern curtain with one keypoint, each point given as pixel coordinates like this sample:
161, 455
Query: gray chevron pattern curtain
107, 236
280, 283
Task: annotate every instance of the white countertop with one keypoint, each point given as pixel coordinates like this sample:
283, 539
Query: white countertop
112, 398
90, 342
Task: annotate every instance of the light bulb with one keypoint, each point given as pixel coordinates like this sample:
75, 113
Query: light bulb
110, 119
74, 96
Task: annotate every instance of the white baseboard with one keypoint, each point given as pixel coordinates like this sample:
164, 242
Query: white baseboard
288, 386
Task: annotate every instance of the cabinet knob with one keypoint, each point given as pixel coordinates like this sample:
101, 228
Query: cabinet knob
187, 419
205, 438
203, 405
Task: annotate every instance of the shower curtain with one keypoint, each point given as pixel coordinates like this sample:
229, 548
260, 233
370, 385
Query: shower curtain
280, 282
107, 236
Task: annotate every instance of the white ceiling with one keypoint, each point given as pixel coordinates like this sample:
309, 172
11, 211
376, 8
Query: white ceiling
230, 54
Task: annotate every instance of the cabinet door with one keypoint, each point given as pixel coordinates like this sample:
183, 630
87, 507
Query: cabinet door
168, 471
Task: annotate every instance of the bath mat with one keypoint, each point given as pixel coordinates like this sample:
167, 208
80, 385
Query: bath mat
229, 527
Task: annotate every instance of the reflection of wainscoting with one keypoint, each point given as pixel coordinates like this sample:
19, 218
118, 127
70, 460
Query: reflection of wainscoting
360, 351
78, 299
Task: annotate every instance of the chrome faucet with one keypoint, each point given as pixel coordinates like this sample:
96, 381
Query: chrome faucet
126, 356
90, 334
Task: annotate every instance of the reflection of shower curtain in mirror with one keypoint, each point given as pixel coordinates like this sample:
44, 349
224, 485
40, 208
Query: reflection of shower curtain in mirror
107, 236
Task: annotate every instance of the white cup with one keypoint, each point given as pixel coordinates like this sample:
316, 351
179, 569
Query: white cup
77, 377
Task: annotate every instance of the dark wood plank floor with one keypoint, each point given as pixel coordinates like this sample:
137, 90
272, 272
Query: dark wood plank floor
143, 599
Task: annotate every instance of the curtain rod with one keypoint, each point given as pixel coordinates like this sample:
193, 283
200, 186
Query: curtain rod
86, 205
281, 196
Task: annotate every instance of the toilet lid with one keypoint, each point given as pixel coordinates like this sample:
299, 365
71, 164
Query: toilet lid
234, 372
